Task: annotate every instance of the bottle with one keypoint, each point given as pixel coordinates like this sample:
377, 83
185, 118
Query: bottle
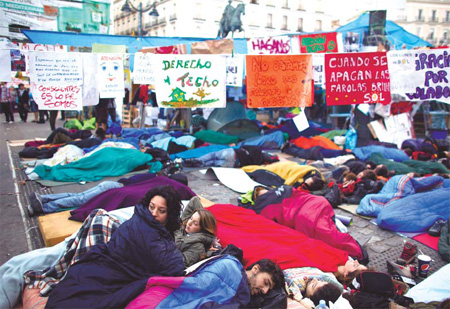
321, 305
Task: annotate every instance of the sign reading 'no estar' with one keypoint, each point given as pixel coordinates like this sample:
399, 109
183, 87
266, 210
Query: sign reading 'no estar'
279, 80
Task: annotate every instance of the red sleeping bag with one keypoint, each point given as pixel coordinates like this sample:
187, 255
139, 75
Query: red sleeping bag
262, 238
313, 216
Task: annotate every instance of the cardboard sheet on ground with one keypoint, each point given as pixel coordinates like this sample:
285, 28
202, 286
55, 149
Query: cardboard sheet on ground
5, 64
233, 178
354, 78
318, 43
352, 209
279, 80
433, 71
277, 45
190, 80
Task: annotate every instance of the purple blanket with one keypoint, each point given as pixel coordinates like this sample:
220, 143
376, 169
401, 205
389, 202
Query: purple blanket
127, 196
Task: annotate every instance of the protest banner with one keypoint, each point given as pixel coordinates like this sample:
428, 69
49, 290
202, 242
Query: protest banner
401, 71
235, 70
18, 60
143, 70
319, 71
91, 91
225, 46
279, 81
174, 49
111, 76
42, 47
318, 43
278, 45
433, 69
190, 80
53, 97
5, 64
55, 68
355, 78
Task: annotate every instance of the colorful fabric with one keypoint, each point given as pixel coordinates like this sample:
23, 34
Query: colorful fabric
259, 237
297, 278
103, 163
97, 229
305, 143
214, 137
291, 172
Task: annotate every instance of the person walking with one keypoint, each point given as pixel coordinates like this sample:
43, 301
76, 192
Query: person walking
5, 103
23, 105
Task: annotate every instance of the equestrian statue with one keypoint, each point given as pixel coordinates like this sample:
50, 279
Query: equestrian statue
231, 20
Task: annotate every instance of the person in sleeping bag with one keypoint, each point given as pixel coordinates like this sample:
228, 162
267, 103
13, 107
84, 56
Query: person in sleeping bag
197, 232
113, 274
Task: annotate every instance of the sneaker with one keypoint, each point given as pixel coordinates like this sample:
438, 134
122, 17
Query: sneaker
11, 122
408, 254
30, 211
402, 270
36, 203
435, 229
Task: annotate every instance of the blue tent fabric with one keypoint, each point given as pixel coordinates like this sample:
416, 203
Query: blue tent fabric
396, 35
198, 152
273, 140
363, 153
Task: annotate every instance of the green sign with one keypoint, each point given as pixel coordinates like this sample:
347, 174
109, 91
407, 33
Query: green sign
21, 7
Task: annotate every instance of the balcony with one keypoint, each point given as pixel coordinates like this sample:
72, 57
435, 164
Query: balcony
420, 18
161, 20
433, 20
173, 17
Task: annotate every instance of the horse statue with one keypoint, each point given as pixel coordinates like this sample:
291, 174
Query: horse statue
231, 20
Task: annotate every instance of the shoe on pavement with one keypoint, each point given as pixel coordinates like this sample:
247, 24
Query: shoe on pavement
36, 203
30, 211
11, 122
408, 254
435, 229
402, 270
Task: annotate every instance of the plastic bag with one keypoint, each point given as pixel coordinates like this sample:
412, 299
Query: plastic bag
350, 139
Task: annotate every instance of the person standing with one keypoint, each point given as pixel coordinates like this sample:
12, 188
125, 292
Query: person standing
5, 103
23, 98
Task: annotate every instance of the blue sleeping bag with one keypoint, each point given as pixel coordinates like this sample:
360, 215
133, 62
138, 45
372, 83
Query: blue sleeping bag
408, 204
364, 153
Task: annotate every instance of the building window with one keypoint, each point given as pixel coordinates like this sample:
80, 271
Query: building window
198, 10
286, 4
418, 31
254, 1
433, 15
447, 16
419, 16
318, 25
301, 7
431, 34
285, 23
270, 3
445, 36
269, 20
300, 25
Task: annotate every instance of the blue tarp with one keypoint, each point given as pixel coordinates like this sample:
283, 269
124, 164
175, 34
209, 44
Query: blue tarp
396, 35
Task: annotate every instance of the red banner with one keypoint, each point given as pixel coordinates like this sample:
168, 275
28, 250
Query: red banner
354, 78
279, 80
318, 43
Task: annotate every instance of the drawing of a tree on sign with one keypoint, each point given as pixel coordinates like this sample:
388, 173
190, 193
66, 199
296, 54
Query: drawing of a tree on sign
201, 93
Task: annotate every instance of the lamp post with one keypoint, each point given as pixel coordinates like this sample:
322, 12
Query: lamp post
129, 7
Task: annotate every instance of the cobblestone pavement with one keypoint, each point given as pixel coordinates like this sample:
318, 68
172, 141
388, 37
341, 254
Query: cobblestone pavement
20, 234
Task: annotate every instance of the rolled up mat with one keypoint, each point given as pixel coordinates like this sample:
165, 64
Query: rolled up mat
344, 219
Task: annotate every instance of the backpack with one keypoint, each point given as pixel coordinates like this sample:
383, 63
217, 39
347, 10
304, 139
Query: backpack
444, 242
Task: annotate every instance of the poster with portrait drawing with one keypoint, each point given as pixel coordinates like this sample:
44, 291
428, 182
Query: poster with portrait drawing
110, 75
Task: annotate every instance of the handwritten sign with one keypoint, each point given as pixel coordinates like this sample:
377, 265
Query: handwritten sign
354, 78
319, 68
190, 80
5, 72
91, 92
42, 47
56, 68
318, 43
279, 81
53, 97
143, 70
401, 71
111, 76
235, 70
433, 69
269, 46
